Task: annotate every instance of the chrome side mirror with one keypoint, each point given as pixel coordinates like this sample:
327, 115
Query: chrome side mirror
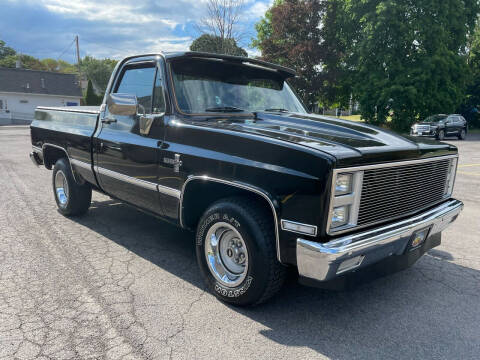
122, 104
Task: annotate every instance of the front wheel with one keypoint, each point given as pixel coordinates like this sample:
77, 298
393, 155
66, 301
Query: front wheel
236, 252
71, 197
441, 135
462, 135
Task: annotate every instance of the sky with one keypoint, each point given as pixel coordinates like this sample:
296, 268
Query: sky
110, 28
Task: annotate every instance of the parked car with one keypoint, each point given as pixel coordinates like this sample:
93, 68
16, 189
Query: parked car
441, 125
221, 145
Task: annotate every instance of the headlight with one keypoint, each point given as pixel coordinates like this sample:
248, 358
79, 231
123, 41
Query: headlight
340, 216
343, 184
345, 200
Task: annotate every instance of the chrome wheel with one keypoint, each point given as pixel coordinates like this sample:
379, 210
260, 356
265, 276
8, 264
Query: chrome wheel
227, 254
61, 187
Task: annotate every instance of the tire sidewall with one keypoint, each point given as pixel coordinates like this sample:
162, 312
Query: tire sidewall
253, 286
441, 135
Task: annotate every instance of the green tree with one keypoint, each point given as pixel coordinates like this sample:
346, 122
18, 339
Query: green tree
98, 70
217, 45
91, 98
290, 35
27, 62
5, 50
408, 57
470, 106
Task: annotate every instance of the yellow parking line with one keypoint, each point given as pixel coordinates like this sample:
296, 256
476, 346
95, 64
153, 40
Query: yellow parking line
468, 165
469, 173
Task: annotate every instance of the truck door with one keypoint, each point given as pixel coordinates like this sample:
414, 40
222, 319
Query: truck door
126, 157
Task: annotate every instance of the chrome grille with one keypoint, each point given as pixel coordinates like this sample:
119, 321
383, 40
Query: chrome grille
391, 192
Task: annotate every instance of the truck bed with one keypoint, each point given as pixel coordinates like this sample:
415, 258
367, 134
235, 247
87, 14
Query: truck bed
68, 129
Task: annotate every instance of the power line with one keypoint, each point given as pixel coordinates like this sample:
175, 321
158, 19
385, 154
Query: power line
66, 49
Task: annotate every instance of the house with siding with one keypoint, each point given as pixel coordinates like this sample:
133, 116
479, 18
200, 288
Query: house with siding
22, 90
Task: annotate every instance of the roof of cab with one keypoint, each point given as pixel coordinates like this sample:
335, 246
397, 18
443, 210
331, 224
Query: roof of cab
285, 71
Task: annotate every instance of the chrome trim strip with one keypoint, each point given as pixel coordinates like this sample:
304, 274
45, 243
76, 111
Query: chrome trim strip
283, 221
241, 186
69, 109
394, 164
320, 261
138, 182
131, 180
169, 191
350, 227
37, 149
81, 164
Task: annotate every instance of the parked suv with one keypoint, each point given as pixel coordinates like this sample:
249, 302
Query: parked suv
441, 125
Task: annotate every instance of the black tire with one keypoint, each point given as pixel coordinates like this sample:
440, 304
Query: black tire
441, 135
78, 197
264, 275
462, 135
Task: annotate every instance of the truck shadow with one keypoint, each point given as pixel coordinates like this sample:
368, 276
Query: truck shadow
418, 313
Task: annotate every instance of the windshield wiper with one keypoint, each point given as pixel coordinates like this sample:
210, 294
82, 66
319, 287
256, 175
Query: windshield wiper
277, 110
224, 109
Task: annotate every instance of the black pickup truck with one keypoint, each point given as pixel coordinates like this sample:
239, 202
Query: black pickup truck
221, 145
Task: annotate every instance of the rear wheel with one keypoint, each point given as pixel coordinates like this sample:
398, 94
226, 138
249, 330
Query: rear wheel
71, 197
441, 135
462, 135
236, 252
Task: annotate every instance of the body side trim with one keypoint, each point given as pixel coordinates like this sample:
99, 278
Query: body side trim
81, 164
238, 185
69, 109
138, 182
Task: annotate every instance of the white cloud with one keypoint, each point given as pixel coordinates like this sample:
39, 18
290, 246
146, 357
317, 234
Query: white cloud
258, 9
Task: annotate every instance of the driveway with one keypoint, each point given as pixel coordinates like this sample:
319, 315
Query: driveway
117, 283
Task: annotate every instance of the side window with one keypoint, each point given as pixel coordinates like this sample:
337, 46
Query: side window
158, 94
138, 81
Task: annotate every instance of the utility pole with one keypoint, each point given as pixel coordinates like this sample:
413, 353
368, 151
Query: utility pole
78, 54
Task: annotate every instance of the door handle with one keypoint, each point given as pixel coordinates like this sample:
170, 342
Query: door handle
109, 120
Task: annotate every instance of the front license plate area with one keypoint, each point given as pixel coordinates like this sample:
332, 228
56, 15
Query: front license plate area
418, 238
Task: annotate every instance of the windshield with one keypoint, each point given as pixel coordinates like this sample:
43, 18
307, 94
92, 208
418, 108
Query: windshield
436, 118
203, 86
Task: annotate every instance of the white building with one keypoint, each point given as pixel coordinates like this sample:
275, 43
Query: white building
21, 91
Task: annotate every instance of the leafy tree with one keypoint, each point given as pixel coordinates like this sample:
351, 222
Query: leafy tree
290, 35
470, 107
27, 61
98, 70
91, 98
5, 50
408, 57
217, 45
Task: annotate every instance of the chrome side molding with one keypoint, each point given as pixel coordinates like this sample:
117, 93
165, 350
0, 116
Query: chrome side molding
138, 182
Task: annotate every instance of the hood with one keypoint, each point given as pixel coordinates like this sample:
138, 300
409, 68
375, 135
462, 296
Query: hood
351, 143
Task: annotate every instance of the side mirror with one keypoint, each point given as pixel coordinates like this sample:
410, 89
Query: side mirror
122, 104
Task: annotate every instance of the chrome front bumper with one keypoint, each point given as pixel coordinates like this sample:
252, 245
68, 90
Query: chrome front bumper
325, 261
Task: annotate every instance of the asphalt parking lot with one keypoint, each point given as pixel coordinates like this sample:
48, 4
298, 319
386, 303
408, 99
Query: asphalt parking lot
117, 283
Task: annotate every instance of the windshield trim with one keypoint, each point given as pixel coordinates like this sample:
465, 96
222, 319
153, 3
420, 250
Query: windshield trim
220, 113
